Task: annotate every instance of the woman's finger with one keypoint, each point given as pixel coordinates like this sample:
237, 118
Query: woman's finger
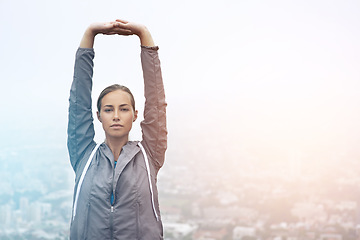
122, 21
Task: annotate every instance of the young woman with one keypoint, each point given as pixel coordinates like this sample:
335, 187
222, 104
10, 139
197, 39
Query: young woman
115, 194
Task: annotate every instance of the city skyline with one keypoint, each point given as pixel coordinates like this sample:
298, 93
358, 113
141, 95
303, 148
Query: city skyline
263, 98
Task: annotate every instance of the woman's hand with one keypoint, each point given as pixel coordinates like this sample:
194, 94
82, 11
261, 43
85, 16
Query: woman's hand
134, 28
120, 27
138, 29
108, 28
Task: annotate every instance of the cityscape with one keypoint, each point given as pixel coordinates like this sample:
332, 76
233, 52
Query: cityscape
262, 116
243, 199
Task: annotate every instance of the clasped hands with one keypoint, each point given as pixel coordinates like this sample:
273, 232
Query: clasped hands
120, 27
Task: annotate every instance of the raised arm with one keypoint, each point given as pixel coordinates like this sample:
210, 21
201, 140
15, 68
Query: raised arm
80, 125
154, 124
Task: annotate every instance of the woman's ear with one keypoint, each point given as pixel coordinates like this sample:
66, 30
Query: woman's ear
98, 115
135, 115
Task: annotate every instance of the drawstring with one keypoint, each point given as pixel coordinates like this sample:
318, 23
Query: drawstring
82, 178
149, 178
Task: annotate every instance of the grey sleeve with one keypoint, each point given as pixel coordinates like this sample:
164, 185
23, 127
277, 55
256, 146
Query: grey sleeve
154, 131
80, 126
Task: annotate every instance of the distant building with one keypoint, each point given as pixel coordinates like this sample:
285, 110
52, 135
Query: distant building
240, 232
178, 230
5, 215
45, 209
331, 233
210, 233
330, 236
35, 212
24, 208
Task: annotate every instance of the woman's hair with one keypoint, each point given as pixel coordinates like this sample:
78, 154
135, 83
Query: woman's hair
113, 88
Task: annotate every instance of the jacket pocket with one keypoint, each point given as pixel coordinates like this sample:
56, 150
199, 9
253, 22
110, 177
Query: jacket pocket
79, 226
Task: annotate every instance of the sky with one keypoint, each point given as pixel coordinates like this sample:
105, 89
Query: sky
271, 78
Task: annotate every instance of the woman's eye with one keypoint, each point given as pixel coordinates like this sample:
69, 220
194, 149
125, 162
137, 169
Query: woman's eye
124, 109
107, 110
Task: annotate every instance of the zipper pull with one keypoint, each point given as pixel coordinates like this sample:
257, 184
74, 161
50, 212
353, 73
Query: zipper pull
112, 209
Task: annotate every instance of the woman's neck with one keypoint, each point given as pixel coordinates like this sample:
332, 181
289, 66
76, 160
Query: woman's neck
115, 145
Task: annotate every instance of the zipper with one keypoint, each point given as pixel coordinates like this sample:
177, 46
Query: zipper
112, 222
112, 199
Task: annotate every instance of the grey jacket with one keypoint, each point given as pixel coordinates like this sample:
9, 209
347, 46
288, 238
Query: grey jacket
132, 214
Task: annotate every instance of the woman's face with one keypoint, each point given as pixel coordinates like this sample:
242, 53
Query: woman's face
117, 114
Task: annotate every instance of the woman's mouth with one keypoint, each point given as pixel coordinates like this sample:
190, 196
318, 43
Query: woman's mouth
116, 126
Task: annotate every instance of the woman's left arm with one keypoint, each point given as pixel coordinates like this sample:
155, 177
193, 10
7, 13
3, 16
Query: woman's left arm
153, 126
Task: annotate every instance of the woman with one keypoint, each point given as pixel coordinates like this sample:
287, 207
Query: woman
115, 193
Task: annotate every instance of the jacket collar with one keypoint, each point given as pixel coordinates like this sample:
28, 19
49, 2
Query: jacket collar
129, 150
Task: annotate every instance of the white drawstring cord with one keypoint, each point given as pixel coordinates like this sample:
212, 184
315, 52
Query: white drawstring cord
149, 178
82, 178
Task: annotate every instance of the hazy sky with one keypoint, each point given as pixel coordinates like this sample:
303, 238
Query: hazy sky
274, 76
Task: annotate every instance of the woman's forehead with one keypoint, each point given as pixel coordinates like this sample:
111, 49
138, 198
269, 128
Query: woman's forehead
117, 97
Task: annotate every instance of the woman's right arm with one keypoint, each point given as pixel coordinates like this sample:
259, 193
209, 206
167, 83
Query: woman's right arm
80, 126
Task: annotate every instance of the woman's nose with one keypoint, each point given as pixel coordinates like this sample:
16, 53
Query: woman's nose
116, 115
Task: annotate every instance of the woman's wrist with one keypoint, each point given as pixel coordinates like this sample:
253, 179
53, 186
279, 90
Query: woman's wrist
88, 38
145, 37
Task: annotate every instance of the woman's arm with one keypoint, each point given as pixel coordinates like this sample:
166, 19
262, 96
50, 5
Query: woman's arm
154, 124
154, 131
80, 126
